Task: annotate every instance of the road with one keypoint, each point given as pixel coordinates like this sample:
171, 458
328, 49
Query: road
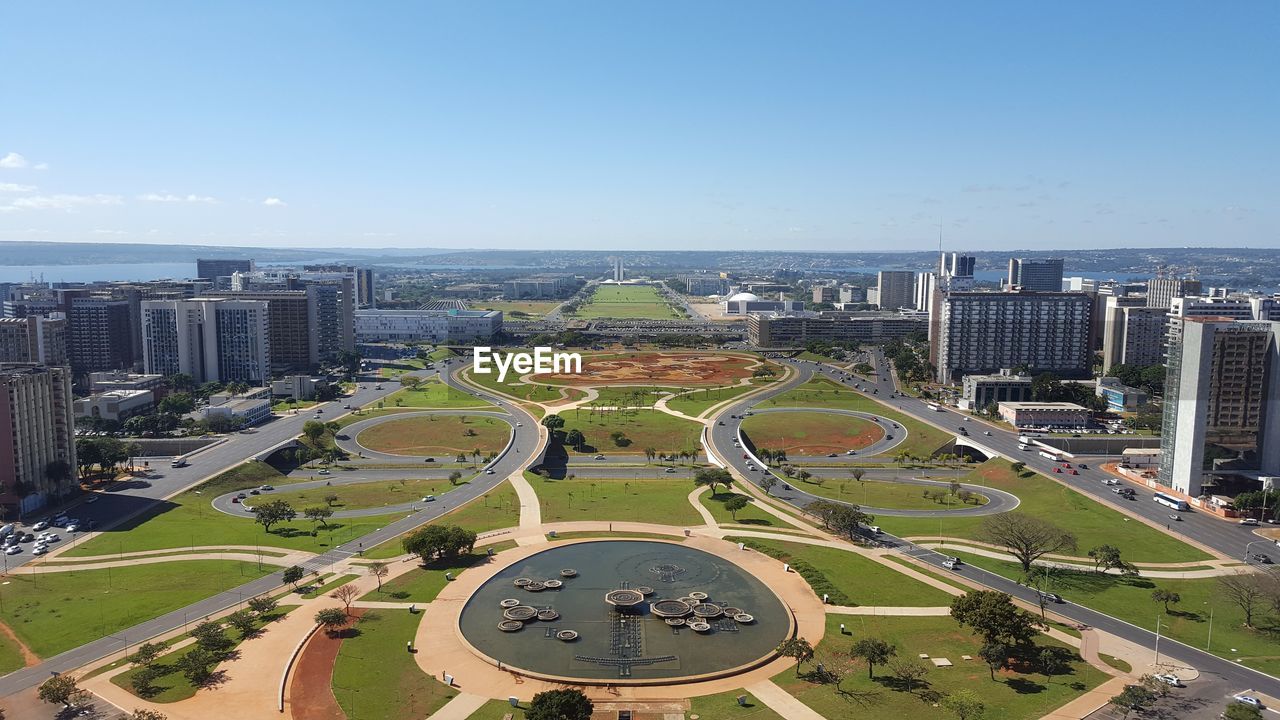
1223, 538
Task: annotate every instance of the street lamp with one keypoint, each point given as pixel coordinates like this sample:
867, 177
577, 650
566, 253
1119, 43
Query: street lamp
1249, 545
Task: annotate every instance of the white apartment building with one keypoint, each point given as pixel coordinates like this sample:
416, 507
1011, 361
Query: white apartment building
210, 339
436, 326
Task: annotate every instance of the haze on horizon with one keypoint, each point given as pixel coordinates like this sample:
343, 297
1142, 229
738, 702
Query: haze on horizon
824, 126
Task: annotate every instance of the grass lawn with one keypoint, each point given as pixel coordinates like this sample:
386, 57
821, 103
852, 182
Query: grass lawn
724, 706
811, 433
189, 519
286, 405
375, 679
519, 309
329, 585
498, 508
437, 435
375, 493
640, 428
1188, 621
585, 534
749, 515
922, 439
698, 401
533, 392
1092, 522
656, 501
636, 396
435, 395
10, 656
864, 581
54, 612
1012, 696
639, 302
882, 493
424, 582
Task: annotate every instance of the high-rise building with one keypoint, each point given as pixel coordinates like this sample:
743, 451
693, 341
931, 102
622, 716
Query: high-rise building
926, 286
37, 437
1035, 274
824, 293
895, 289
1133, 334
310, 326
210, 339
34, 339
794, 329
1221, 404
1161, 291
218, 270
619, 272
958, 267
437, 326
99, 334
1041, 332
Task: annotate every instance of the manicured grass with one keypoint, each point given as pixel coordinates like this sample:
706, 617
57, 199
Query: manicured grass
436, 395
56, 611
641, 429
519, 309
1092, 522
10, 656
375, 679
811, 433
424, 582
189, 520
375, 493
657, 501
697, 402
1012, 696
922, 439
639, 302
586, 534
445, 435
496, 509
329, 586
749, 515
724, 706
631, 396
533, 392
883, 493
1188, 621
864, 581
286, 405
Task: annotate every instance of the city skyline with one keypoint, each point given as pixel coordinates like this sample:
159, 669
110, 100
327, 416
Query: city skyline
506, 126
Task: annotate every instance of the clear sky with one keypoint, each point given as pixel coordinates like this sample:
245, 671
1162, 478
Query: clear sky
699, 125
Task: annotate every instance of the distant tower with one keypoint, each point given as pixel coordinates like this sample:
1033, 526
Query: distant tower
618, 272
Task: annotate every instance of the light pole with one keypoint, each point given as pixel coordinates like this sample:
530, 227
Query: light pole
1246, 548
1210, 638
1157, 660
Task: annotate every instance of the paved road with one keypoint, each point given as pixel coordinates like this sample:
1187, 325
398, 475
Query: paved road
1236, 676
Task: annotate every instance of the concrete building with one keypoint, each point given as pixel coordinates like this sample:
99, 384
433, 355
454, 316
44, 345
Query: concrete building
1035, 274
210, 339
740, 304
852, 294
1045, 415
117, 405
99, 334
250, 408
1222, 403
794, 329
437, 326
704, 284
1161, 291
1133, 334
219, 271
37, 437
298, 387
1120, 397
34, 339
824, 293
895, 289
119, 380
981, 391
542, 287
309, 326
981, 332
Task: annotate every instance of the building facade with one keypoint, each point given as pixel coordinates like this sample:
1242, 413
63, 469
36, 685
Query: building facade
1133, 334
979, 333
436, 326
219, 271
1035, 274
117, 405
794, 329
37, 437
99, 334
1045, 415
979, 392
210, 339
34, 339
895, 289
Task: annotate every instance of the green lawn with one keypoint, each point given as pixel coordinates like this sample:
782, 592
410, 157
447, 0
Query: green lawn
656, 501
749, 515
698, 401
375, 493
881, 493
864, 581
1092, 522
640, 428
496, 509
56, 611
435, 395
1188, 621
189, 519
286, 405
375, 679
922, 439
330, 585
638, 396
10, 656
424, 582
533, 392
437, 435
638, 302
1012, 696
724, 706
519, 309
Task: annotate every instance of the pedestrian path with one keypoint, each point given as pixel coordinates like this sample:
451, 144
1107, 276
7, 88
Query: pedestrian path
781, 702
461, 707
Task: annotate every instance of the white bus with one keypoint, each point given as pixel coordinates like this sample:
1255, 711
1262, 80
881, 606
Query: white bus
933, 407
1051, 454
1171, 501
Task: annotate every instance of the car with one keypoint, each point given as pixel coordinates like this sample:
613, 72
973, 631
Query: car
1249, 700
42, 525
1082, 466
28, 537
520, 424
1058, 470
10, 540
888, 437
377, 387
875, 530
1169, 679
1260, 558
1050, 597
1075, 472
242, 496
235, 500
73, 527
50, 538
669, 470
1176, 518
832, 455
950, 564
599, 457
178, 463
1248, 521
68, 522
13, 550
254, 491
346, 406
91, 500
266, 488
986, 432
720, 423
488, 472
319, 410
322, 471
429, 498
39, 550
850, 452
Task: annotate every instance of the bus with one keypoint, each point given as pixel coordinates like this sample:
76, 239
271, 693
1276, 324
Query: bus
1171, 501
1051, 454
933, 407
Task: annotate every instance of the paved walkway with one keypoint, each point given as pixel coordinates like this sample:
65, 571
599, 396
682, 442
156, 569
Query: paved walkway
707, 518
296, 558
781, 702
461, 707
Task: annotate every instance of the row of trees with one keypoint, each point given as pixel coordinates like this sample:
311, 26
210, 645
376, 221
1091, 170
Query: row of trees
107, 454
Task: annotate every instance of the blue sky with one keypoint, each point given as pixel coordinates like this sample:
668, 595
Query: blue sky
758, 125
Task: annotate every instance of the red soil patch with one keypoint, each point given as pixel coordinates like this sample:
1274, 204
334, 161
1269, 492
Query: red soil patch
658, 368
311, 693
809, 433
28, 657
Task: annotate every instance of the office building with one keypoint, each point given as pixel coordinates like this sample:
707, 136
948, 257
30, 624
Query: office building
1035, 274
534, 288
742, 303
34, 339
210, 339
310, 326
99, 334
619, 272
1120, 397
852, 294
298, 387
1222, 404
244, 410
219, 272
119, 380
436, 326
1045, 415
794, 329
362, 283
895, 289
1161, 291
981, 332
37, 437
114, 405
926, 286
979, 392
824, 293
1133, 334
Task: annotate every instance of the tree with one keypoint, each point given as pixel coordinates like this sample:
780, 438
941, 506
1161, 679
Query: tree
798, 649
566, 704
1133, 698
177, 403
412, 382
317, 514
994, 617
196, 665
262, 605
346, 595
841, 518
454, 477
313, 430
210, 636
553, 422
1246, 590
62, 690
873, 652
1107, 557
768, 482
857, 474
966, 704
244, 622
146, 654
143, 681
995, 655
736, 503
143, 714
332, 620
575, 439
1161, 595
1018, 467
908, 671
292, 575
273, 512
1237, 711
435, 542
1053, 661
1026, 537
712, 478
330, 499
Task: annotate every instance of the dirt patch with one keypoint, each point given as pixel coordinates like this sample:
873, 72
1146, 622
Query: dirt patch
658, 368
311, 693
811, 433
29, 658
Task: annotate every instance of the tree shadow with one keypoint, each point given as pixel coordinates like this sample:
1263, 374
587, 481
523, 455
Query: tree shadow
1024, 686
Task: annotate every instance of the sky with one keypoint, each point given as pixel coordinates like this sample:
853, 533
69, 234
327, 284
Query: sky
840, 126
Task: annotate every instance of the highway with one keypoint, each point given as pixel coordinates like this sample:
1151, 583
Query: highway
1220, 535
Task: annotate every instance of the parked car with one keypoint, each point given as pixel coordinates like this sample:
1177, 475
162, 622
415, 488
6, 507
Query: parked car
1169, 679
39, 549
13, 550
1248, 521
42, 525
1249, 700
73, 527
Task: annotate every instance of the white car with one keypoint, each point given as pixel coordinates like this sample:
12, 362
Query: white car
488, 472
1249, 700
49, 538
42, 525
1169, 679
429, 498
73, 527
39, 549
519, 424
13, 550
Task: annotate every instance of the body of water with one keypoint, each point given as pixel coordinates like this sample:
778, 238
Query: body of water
91, 273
